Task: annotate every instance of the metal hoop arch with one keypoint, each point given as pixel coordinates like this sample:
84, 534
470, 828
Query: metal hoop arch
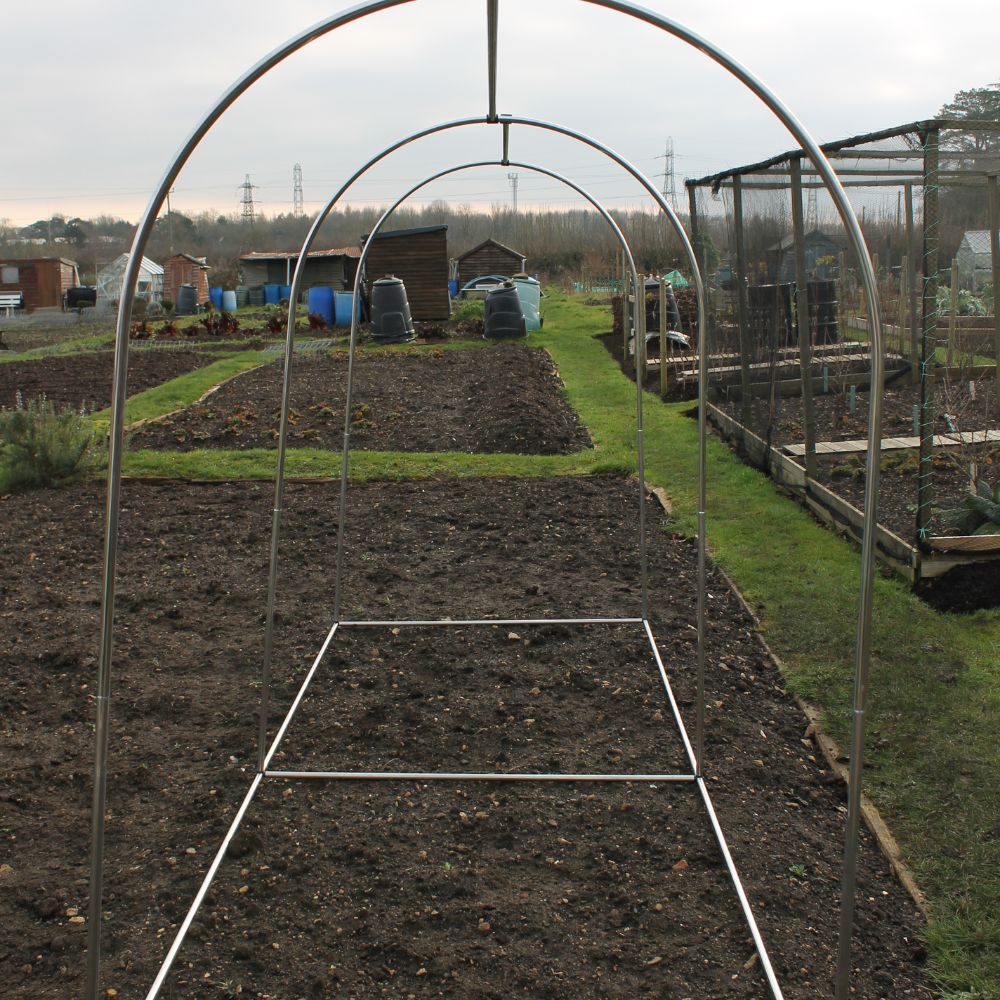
116, 449
322, 215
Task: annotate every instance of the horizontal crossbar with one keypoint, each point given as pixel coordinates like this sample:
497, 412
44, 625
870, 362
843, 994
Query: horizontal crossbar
498, 621
469, 776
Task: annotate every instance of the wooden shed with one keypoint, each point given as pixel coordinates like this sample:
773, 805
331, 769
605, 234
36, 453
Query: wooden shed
489, 257
183, 269
42, 282
333, 268
419, 258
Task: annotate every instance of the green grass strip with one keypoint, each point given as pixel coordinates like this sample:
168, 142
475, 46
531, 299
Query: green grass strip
183, 390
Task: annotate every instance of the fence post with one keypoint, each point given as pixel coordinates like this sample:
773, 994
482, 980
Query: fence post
802, 317
928, 345
742, 309
664, 373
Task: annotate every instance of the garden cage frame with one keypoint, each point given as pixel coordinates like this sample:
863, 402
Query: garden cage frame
693, 750
918, 160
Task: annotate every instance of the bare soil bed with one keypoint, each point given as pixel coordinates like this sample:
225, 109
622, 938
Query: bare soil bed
505, 398
409, 889
84, 379
836, 422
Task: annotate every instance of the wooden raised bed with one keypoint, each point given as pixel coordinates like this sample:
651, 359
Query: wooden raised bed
940, 553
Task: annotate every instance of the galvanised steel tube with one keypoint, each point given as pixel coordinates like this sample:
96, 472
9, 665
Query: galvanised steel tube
506, 121
286, 387
474, 776
144, 229
116, 450
345, 460
175, 947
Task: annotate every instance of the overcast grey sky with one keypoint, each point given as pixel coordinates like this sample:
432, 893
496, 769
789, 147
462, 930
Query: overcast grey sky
99, 96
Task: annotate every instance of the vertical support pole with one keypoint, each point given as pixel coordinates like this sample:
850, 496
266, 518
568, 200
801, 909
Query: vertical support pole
878, 291
116, 450
626, 315
640, 330
953, 314
802, 315
911, 280
505, 158
928, 344
991, 182
742, 309
664, 373
842, 295
279, 495
698, 245
903, 323
492, 22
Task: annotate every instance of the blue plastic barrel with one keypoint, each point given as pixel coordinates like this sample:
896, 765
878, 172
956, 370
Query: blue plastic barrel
272, 295
321, 301
215, 296
285, 293
229, 302
343, 308
453, 288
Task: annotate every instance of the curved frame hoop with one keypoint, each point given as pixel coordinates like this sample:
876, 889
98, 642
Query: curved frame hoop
296, 288
810, 148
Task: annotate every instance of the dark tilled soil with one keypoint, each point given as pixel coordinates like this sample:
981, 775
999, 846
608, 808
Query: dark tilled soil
417, 888
506, 398
898, 486
676, 390
836, 422
85, 379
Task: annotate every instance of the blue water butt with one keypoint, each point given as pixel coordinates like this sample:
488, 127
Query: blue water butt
321, 302
272, 295
215, 296
285, 294
453, 288
344, 308
229, 302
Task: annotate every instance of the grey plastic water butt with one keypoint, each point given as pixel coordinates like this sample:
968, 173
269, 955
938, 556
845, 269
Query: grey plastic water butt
391, 319
502, 314
529, 291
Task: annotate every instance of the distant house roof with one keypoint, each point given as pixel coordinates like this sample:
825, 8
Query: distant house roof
264, 255
405, 232
978, 240
12, 261
495, 243
199, 261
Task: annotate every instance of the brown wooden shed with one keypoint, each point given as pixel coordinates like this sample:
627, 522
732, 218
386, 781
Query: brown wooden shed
419, 258
42, 282
489, 257
183, 269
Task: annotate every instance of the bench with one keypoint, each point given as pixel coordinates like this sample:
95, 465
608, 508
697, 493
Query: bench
9, 301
